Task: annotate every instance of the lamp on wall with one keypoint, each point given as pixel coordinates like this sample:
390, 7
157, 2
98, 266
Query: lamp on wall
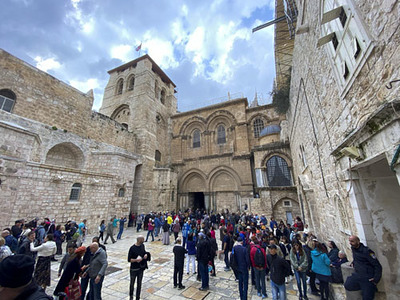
352, 152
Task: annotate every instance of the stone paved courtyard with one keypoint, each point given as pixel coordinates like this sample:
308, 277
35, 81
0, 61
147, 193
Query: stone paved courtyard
157, 280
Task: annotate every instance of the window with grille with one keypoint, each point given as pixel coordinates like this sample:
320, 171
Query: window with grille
121, 192
258, 126
278, 173
7, 100
221, 135
196, 139
75, 192
287, 203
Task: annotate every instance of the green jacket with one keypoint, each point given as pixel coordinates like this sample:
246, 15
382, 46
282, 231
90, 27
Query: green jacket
303, 263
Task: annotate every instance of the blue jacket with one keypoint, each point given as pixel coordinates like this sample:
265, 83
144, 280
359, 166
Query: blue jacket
185, 230
157, 222
320, 263
191, 247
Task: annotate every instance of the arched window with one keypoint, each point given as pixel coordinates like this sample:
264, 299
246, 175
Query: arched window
258, 125
131, 83
162, 96
157, 156
120, 86
221, 135
196, 139
278, 173
75, 192
156, 90
121, 192
7, 100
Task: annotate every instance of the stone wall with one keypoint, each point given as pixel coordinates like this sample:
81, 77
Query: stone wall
325, 117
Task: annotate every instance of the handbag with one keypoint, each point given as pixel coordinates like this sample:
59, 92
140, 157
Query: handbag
73, 290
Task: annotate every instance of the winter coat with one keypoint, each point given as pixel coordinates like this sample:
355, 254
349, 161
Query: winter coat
302, 263
321, 263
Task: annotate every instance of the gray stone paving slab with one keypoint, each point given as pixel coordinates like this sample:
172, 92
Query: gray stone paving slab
157, 280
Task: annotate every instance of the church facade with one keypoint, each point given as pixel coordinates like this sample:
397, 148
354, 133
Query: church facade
60, 159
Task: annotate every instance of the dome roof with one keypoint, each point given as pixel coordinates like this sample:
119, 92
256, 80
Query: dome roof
270, 129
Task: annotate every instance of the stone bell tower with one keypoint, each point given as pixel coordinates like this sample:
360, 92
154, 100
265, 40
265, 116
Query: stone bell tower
140, 96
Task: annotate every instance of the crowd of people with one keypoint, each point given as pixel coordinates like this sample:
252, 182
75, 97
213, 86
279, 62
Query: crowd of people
254, 248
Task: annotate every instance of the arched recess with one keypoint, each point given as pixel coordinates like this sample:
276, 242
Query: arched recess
121, 114
220, 117
267, 156
286, 209
218, 177
190, 124
193, 181
7, 100
119, 88
66, 155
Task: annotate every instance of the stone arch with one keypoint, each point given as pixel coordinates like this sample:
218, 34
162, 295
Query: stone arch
122, 114
285, 156
220, 175
194, 180
66, 155
131, 82
220, 117
190, 124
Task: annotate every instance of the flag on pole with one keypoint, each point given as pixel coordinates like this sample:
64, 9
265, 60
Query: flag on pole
138, 48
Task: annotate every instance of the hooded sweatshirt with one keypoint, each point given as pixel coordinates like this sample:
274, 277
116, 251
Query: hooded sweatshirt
320, 263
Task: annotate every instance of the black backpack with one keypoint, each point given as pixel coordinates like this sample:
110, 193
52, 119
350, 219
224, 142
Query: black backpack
259, 259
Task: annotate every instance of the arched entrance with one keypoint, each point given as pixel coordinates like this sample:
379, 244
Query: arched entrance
192, 187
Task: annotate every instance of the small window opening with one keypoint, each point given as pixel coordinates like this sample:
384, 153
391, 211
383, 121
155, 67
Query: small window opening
221, 135
357, 49
345, 71
131, 83
121, 192
196, 139
162, 96
7, 100
75, 192
120, 87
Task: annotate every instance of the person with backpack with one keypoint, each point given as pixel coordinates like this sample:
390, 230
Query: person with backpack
259, 264
241, 259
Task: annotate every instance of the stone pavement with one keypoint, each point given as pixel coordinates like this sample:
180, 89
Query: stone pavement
157, 280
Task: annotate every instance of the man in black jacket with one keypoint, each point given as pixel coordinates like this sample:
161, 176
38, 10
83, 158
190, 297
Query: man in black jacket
16, 279
138, 257
203, 257
368, 270
278, 268
179, 261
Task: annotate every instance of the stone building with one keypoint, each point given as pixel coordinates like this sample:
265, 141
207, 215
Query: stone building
344, 125
230, 156
57, 157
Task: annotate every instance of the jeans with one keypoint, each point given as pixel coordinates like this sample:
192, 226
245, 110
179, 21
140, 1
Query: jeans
84, 285
157, 231
301, 277
243, 284
260, 281
278, 291
203, 269
95, 289
226, 259
139, 226
152, 235
121, 230
139, 275
184, 241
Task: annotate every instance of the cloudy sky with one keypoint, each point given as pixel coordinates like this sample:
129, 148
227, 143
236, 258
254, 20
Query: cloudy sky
205, 47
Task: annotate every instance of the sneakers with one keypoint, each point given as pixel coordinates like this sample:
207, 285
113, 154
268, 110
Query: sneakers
264, 296
203, 289
258, 294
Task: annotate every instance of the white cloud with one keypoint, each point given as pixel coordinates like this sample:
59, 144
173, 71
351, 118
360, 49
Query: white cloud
85, 86
46, 64
162, 51
122, 52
